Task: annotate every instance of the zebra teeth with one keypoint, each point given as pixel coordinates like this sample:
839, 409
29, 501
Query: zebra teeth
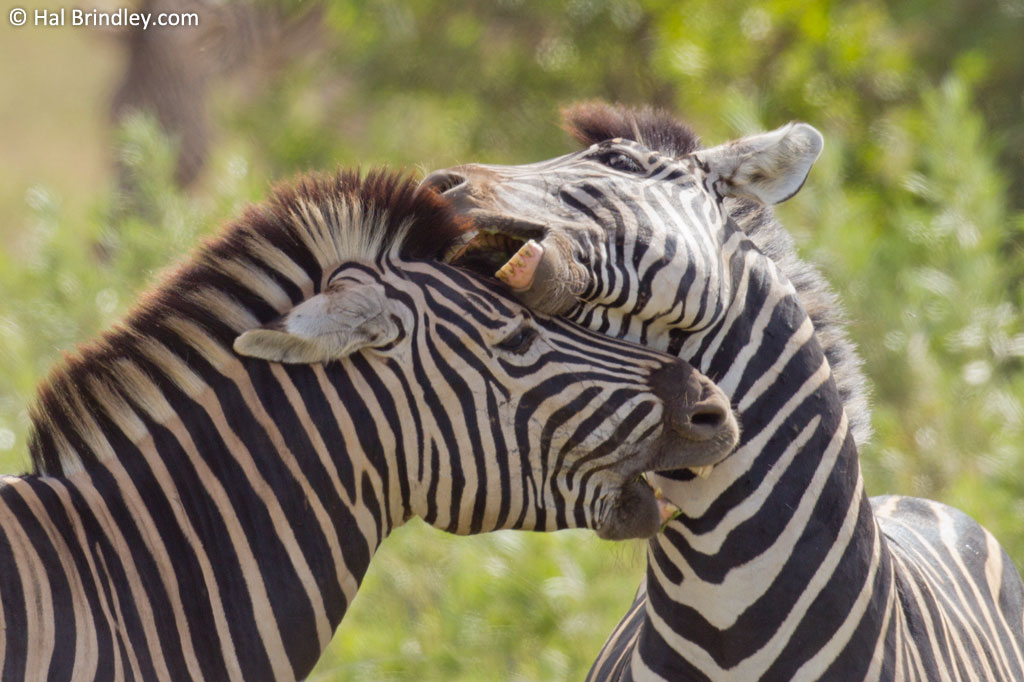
482, 249
704, 471
666, 510
460, 247
518, 272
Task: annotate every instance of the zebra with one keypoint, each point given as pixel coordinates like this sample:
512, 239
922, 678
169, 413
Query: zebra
778, 567
213, 476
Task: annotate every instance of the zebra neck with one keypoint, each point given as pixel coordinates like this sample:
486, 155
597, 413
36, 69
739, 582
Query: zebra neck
259, 491
782, 527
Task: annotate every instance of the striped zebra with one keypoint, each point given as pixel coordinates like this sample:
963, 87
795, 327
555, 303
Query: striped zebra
203, 514
779, 566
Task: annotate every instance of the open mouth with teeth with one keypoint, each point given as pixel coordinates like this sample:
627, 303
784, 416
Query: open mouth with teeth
511, 259
641, 510
666, 510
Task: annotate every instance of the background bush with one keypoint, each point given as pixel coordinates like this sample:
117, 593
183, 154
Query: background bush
914, 212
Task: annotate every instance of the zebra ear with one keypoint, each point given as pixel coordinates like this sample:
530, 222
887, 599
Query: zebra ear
770, 167
325, 327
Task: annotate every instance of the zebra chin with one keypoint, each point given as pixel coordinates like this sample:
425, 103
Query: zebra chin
638, 509
633, 513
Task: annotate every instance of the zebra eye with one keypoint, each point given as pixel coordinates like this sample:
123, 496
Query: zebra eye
519, 341
620, 162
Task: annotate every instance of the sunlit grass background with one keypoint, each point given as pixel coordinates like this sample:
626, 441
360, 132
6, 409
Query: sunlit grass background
914, 212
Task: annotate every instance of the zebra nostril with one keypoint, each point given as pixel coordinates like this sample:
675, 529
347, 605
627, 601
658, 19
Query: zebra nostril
706, 419
442, 181
712, 417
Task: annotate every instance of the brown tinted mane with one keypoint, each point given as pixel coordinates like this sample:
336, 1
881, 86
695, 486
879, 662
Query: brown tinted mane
657, 129
421, 225
273, 256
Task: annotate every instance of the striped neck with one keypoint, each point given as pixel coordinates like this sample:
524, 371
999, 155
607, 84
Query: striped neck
782, 527
251, 511
243, 499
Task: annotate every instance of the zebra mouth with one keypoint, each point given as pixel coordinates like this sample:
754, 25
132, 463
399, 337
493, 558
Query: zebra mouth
666, 510
485, 252
493, 245
500, 246
639, 511
534, 261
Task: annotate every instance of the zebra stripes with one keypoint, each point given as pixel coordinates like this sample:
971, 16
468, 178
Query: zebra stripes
200, 513
779, 567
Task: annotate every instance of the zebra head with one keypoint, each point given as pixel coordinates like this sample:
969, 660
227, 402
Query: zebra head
601, 235
520, 419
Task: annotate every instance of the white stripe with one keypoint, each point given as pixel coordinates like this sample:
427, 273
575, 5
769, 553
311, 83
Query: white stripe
723, 603
816, 666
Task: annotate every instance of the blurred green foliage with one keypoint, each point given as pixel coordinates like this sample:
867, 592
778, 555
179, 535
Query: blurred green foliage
529, 607
914, 212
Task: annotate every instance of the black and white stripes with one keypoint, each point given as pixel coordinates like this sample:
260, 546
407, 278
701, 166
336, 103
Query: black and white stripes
203, 514
779, 567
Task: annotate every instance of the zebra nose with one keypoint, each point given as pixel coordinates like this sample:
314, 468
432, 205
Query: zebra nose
704, 419
695, 407
442, 181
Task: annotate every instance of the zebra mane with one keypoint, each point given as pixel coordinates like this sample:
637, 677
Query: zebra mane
274, 256
593, 122
657, 129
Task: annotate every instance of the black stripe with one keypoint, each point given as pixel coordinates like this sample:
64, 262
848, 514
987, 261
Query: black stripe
14, 607
60, 588
212, 533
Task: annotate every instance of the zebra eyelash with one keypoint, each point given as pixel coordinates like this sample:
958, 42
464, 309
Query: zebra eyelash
519, 341
619, 161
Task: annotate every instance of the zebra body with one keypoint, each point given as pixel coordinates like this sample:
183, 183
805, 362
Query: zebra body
779, 567
200, 513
